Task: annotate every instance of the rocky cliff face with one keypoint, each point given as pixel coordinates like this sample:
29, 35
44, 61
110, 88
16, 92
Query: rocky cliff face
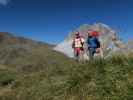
109, 39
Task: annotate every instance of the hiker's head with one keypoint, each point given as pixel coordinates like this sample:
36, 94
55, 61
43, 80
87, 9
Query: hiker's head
89, 34
93, 33
77, 34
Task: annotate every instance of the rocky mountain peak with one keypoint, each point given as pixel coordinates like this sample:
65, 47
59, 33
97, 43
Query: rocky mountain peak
108, 37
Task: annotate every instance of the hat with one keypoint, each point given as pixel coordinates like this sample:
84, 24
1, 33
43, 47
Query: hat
94, 33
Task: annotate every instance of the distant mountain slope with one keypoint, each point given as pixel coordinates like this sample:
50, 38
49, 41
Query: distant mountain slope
26, 54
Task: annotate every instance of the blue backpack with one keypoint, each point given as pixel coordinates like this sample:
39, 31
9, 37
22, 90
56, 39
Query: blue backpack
93, 42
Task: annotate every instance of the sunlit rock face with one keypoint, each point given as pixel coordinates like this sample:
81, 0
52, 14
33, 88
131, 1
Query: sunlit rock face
130, 46
109, 39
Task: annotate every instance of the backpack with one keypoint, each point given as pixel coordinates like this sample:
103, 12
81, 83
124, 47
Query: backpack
93, 42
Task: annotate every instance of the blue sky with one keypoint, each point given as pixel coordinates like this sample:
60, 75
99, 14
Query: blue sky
52, 20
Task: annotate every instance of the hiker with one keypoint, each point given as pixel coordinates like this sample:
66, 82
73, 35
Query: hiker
78, 46
93, 43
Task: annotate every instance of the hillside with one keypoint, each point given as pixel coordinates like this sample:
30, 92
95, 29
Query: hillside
110, 79
31, 70
25, 54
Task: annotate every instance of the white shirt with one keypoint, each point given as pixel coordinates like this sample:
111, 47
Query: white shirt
78, 42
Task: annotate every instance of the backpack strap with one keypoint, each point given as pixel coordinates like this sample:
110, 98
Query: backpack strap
81, 42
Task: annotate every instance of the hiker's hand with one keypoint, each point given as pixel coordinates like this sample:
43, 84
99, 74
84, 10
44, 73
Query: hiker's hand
98, 50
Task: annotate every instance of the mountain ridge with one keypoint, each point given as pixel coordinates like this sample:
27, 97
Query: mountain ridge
108, 37
24, 54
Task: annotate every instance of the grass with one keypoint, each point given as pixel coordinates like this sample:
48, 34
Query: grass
6, 77
110, 79
31, 70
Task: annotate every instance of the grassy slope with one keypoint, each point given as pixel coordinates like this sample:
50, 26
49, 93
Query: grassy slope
20, 57
33, 71
110, 79
25, 55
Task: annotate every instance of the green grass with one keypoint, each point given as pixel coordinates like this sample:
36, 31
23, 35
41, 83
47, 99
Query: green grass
6, 77
110, 79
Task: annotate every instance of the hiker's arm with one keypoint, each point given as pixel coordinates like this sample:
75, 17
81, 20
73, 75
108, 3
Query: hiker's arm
98, 43
87, 42
73, 44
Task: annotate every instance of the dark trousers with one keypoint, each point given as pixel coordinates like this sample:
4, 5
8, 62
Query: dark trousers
92, 51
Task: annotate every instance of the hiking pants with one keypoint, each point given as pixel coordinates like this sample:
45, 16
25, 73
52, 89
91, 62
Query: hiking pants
92, 51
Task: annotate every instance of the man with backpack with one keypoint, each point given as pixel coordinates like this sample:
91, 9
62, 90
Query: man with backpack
93, 43
78, 46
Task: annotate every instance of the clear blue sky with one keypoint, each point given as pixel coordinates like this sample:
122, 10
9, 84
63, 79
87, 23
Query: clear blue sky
51, 20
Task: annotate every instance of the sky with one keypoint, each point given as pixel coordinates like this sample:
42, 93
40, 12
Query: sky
51, 20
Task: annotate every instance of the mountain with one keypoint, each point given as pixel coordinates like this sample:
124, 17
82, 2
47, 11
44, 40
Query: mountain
109, 39
31, 70
130, 44
26, 54
21, 58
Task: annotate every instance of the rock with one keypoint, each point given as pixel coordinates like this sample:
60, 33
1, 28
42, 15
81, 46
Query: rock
108, 37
